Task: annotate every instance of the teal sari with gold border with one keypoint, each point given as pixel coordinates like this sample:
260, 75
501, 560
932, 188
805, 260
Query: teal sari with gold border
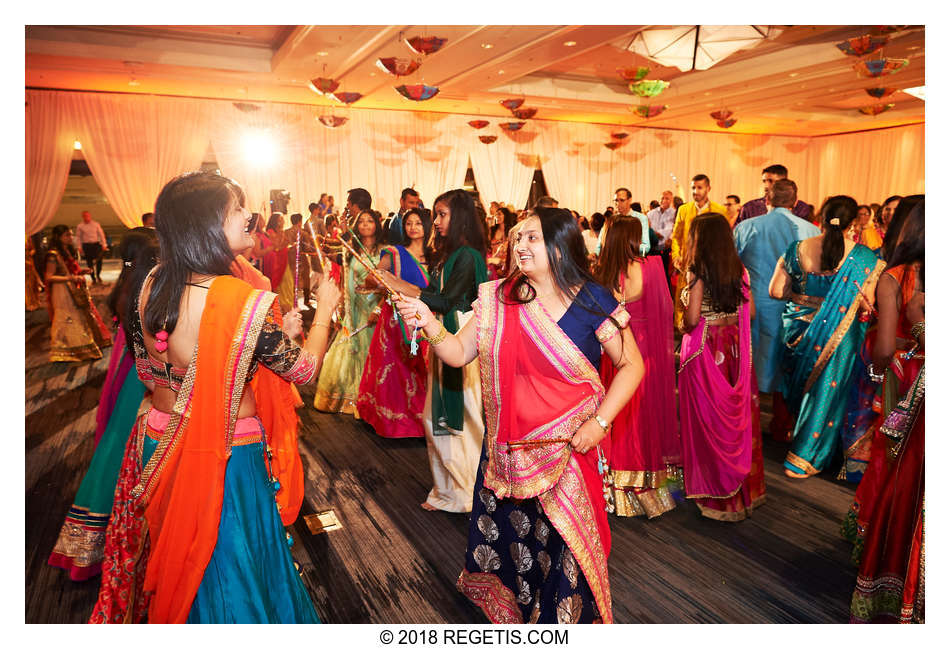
822, 337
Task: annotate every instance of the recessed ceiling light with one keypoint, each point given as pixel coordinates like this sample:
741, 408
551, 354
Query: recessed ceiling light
793, 74
487, 46
570, 43
707, 93
501, 72
914, 47
77, 145
133, 82
322, 53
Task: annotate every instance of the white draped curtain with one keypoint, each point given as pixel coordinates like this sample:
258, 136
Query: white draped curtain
135, 143
49, 150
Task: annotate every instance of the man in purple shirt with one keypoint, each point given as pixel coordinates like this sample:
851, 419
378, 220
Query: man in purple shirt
757, 207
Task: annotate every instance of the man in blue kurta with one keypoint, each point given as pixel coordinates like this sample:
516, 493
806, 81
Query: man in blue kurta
760, 242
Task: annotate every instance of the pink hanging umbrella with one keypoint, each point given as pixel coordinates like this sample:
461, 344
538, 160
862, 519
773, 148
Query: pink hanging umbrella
512, 126
512, 104
418, 92
726, 123
478, 123
721, 115
426, 45
332, 121
398, 67
346, 97
524, 113
487, 139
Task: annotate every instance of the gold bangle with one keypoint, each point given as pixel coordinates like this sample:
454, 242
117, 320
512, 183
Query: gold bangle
917, 330
320, 324
439, 337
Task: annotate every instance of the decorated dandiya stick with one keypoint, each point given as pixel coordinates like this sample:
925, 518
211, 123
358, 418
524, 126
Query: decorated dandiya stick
297, 266
372, 270
537, 442
320, 258
867, 302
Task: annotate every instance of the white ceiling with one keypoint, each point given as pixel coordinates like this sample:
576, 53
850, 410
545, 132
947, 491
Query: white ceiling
797, 83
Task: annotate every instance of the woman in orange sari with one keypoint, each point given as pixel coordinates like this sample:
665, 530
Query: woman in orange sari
538, 533
211, 472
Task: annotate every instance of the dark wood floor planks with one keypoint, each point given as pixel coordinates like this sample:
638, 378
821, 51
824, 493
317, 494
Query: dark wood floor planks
393, 562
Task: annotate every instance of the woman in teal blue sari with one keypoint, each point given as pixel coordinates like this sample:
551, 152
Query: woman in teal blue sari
828, 283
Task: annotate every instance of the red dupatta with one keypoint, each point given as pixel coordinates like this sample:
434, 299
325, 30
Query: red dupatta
523, 351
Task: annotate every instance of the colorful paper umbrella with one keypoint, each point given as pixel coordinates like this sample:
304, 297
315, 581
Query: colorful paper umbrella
426, 45
418, 92
634, 73
324, 86
880, 93
346, 97
398, 67
524, 113
619, 135
512, 126
648, 110
648, 87
245, 107
889, 29
512, 104
876, 109
721, 115
612, 145
487, 139
726, 123
332, 121
863, 45
880, 67
478, 123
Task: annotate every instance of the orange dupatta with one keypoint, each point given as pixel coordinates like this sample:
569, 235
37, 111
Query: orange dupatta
183, 482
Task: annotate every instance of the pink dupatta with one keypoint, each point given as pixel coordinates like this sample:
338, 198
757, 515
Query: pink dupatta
716, 421
523, 351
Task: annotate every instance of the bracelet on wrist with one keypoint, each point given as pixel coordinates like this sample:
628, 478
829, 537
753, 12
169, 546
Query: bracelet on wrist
917, 330
320, 324
601, 422
439, 337
875, 378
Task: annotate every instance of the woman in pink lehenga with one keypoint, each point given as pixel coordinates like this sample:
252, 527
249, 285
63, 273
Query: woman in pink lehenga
718, 396
392, 392
645, 443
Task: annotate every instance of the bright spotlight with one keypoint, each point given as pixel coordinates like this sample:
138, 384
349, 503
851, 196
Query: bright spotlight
259, 148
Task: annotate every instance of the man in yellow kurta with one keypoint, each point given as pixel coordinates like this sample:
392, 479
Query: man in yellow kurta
684, 216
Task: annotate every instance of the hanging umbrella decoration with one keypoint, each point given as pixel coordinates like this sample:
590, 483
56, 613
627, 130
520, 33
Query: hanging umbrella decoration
880, 67
524, 113
426, 45
726, 123
880, 93
721, 115
245, 107
398, 67
332, 121
512, 104
613, 145
487, 139
346, 97
648, 110
863, 45
478, 123
634, 73
620, 135
324, 86
876, 109
512, 126
418, 91
648, 87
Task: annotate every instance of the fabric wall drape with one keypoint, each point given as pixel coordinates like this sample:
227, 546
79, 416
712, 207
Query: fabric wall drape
49, 150
135, 144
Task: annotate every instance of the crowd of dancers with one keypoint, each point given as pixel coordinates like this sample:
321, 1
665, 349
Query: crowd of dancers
562, 369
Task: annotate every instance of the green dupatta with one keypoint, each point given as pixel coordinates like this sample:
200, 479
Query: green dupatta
448, 404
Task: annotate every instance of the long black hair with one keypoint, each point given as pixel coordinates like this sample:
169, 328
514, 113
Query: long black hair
56, 243
910, 246
713, 259
139, 248
567, 260
465, 229
621, 247
837, 214
189, 216
879, 213
903, 208
426, 217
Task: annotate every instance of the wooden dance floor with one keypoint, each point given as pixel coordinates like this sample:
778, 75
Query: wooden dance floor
392, 562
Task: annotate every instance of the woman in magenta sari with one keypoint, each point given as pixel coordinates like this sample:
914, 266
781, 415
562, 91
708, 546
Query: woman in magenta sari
274, 259
645, 441
392, 392
719, 404
538, 533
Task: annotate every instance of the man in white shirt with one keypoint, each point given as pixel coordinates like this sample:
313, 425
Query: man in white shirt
662, 218
624, 201
92, 241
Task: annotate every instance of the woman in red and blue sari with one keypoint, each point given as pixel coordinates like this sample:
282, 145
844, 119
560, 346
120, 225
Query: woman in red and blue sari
828, 282
392, 392
538, 533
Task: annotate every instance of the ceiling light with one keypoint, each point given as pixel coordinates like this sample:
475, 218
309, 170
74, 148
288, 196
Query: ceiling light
487, 46
133, 82
77, 145
570, 43
793, 74
322, 53
917, 91
501, 72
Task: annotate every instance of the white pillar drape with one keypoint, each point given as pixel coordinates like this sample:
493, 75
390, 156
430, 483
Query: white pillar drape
49, 151
135, 144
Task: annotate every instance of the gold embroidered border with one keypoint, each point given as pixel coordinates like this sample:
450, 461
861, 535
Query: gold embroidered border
607, 329
802, 464
488, 334
842, 328
702, 346
731, 517
576, 523
241, 353
487, 592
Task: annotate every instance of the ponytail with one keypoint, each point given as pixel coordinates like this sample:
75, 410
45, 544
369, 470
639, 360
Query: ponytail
837, 214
